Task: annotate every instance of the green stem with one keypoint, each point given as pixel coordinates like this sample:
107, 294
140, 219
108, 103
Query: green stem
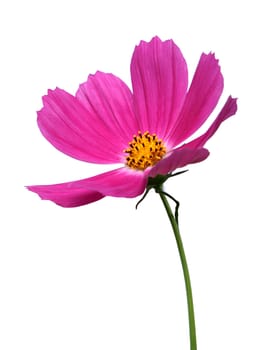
174, 224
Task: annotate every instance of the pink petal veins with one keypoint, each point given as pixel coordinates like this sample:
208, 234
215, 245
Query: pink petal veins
159, 79
109, 103
117, 183
96, 126
201, 99
68, 126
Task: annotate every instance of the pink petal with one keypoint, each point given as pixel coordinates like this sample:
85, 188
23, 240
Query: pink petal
121, 182
227, 111
178, 158
68, 126
201, 99
97, 134
159, 79
108, 101
66, 195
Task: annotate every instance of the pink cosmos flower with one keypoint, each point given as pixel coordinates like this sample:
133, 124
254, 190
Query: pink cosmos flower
106, 122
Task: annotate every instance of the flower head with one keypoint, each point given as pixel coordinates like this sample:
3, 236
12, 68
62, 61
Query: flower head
143, 129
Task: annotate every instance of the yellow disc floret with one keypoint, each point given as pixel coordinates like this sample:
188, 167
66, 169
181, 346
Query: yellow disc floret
144, 150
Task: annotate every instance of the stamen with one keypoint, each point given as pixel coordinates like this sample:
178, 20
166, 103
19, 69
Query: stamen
144, 150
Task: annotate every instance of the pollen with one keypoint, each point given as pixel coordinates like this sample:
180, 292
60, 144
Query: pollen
144, 150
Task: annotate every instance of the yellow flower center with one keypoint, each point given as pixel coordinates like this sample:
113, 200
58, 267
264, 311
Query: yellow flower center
144, 150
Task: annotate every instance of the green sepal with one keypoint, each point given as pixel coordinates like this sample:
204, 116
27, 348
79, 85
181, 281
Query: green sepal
156, 183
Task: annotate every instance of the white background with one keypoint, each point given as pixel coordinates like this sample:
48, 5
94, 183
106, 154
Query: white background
105, 276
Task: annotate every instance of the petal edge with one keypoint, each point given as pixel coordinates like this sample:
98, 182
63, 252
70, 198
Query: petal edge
116, 183
204, 92
178, 158
228, 110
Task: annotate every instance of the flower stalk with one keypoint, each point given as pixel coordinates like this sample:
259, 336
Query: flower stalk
174, 223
